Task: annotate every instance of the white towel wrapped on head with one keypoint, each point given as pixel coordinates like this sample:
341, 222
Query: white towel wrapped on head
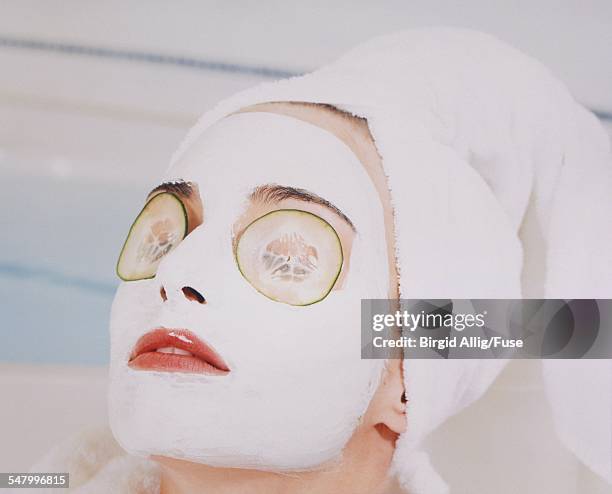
501, 187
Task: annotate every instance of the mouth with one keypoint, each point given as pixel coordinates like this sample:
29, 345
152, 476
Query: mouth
176, 350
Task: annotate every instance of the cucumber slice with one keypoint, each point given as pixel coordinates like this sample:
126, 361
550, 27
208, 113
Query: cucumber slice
290, 256
156, 231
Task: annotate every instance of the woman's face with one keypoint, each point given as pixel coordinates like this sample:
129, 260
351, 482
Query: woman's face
243, 348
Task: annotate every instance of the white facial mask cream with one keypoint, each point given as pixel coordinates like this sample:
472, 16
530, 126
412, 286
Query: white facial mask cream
297, 385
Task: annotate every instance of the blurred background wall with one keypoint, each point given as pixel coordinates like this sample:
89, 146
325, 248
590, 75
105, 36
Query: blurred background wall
95, 96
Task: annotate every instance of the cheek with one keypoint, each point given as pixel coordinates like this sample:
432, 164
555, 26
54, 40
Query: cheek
133, 312
347, 251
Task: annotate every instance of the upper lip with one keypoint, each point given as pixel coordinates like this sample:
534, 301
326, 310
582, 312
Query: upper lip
178, 338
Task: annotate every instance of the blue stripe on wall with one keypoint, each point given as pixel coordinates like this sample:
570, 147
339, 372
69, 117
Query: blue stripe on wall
54, 277
167, 59
146, 57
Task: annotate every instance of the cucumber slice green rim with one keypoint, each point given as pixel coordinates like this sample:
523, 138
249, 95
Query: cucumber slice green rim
254, 243
166, 206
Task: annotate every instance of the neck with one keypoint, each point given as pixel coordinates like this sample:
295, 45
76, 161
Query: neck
362, 470
184, 479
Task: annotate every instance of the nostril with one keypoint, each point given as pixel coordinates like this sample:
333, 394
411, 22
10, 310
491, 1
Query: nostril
193, 294
162, 292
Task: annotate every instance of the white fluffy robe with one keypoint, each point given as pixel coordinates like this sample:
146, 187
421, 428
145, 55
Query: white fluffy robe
501, 187
98, 465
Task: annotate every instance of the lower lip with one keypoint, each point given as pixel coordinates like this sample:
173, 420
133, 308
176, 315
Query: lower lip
171, 362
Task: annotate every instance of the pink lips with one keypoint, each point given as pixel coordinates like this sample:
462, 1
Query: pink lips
176, 350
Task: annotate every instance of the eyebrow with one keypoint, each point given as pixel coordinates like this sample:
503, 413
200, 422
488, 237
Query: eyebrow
272, 193
179, 187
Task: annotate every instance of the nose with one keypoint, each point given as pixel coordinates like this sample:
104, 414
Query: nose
189, 292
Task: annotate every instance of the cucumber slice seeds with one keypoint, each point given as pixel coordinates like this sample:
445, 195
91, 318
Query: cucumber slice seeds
290, 256
156, 231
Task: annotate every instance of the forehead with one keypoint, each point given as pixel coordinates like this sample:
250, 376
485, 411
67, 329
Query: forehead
244, 151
